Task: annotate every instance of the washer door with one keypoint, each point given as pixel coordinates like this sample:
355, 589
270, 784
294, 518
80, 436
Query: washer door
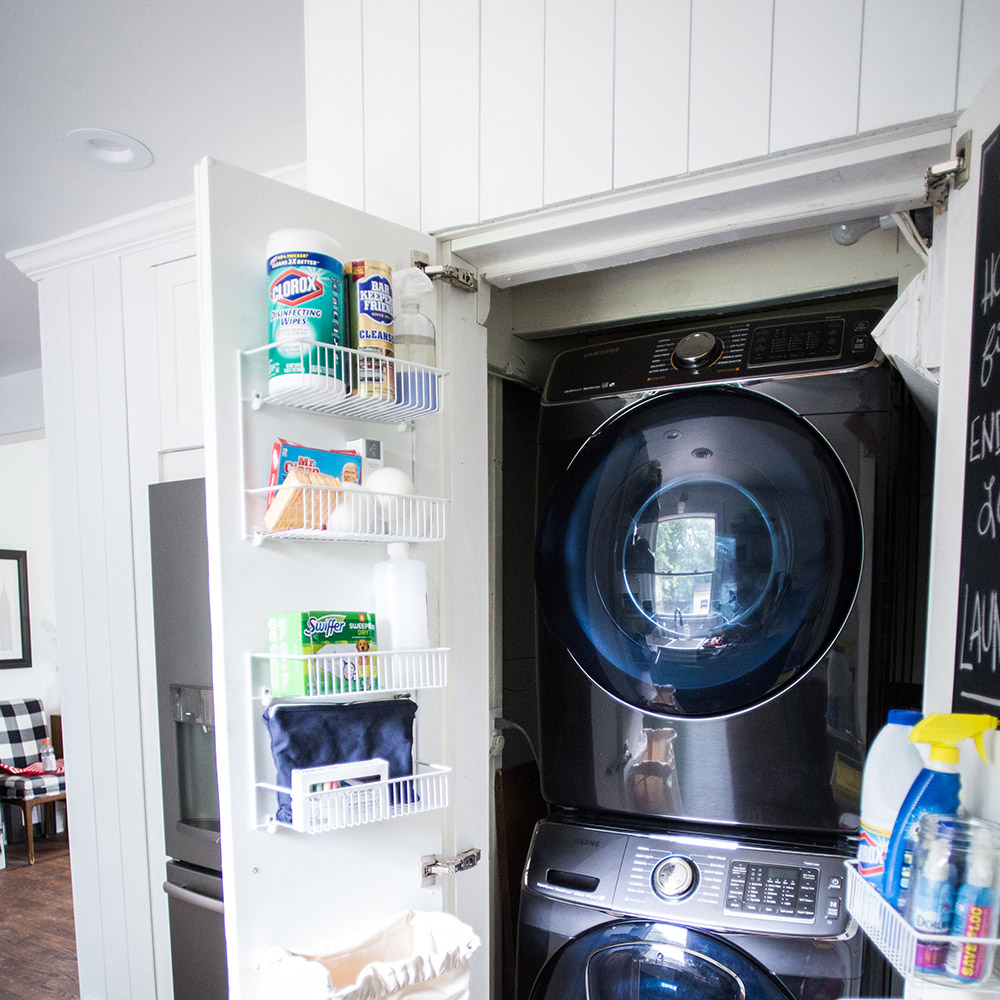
701, 552
638, 960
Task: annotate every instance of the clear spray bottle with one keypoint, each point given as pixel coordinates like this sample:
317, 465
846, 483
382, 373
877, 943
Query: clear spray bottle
415, 344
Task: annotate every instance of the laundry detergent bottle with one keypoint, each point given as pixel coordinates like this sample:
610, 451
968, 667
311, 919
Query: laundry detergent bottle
891, 766
935, 790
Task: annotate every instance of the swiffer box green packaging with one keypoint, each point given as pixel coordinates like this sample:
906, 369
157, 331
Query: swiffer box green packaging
328, 649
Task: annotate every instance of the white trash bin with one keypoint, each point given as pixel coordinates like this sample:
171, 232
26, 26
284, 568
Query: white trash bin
415, 955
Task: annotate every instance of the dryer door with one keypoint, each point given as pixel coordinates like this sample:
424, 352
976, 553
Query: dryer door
701, 552
638, 960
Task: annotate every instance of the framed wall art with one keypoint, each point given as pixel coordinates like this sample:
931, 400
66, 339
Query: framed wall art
15, 632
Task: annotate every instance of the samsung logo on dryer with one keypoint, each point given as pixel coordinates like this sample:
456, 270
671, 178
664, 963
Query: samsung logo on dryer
586, 842
599, 353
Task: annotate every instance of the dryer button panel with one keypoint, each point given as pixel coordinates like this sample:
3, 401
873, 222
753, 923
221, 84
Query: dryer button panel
779, 890
706, 882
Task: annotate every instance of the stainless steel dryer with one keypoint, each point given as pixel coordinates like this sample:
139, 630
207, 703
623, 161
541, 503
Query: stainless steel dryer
714, 506
608, 912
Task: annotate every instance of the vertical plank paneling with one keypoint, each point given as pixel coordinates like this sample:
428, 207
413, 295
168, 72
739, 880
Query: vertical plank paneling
335, 101
979, 55
730, 81
814, 88
909, 61
449, 113
579, 98
391, 111
652, 58
70, 456
511, 108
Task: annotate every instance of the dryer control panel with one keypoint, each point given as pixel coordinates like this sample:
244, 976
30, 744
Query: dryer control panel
698, 881
724, 352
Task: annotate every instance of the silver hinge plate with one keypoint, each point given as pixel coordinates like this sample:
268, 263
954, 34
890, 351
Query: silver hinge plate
952, 174
431, 866
460, 277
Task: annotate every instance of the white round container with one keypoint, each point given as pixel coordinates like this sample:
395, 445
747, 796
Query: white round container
891, 767
305, 285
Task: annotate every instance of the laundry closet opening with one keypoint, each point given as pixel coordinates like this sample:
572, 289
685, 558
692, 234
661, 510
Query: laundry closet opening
776, 278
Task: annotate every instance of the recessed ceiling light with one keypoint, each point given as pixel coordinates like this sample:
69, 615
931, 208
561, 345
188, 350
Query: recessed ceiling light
109, 149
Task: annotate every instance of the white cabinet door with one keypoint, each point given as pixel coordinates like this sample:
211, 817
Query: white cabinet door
283, 888
969, 316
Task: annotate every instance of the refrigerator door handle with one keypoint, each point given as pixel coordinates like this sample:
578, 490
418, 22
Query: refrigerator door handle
185, 895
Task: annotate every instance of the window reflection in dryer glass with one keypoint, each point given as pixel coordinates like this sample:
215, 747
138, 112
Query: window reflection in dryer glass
699, 557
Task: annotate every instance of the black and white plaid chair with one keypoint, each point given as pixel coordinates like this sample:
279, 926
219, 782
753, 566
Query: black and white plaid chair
22, 729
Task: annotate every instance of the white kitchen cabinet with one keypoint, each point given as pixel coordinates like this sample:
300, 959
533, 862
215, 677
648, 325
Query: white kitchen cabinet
283, 889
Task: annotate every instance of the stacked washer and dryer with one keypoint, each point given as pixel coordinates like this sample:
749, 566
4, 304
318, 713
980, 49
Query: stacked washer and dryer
714, 505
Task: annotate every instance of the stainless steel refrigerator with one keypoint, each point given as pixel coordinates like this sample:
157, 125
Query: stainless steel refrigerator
183, 643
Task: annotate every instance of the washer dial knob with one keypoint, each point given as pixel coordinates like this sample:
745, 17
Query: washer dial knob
674, 877
697, 350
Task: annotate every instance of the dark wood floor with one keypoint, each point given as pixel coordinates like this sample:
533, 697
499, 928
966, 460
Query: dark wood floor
37, 940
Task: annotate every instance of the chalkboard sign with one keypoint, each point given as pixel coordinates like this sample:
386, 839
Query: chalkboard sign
977, 653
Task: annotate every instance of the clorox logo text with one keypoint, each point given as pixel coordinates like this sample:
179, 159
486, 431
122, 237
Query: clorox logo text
293, 287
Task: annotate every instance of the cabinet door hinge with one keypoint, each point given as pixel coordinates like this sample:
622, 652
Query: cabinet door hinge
431, 866
943, 177
460, 277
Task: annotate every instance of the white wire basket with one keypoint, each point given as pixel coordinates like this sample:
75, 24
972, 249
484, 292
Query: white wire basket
335, 513
352, 675
910, 952
351, 383
316, 809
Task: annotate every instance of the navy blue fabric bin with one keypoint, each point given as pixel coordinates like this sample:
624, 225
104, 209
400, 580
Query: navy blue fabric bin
318, 735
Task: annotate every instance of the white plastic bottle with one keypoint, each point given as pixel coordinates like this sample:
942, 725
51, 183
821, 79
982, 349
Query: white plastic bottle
401, 600
892, 764
48, 756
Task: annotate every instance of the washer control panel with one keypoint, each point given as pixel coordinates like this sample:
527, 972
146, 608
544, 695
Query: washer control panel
725, 352
700, 881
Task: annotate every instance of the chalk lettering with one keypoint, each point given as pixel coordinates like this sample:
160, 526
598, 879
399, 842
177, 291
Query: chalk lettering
984, 629
991, 282
987, 521
992, 347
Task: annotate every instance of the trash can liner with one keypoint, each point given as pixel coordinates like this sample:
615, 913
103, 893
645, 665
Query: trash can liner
414, 955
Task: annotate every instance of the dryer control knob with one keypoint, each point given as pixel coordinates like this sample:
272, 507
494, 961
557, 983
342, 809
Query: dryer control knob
674, 877
696, 350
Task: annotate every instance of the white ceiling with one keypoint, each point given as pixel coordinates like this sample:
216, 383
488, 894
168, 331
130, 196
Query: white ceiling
188, 78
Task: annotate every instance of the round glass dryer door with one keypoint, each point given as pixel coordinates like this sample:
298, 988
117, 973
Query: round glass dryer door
636, 960
701, 552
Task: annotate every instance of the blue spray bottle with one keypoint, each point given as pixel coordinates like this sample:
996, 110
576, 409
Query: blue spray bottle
935, 790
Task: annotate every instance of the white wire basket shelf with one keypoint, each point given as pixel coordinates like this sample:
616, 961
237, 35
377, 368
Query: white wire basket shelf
325, 378
320, 809
350, 676
915, 955
336, 513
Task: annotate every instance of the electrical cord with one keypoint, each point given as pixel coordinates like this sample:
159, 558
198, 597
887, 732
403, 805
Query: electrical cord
507, 724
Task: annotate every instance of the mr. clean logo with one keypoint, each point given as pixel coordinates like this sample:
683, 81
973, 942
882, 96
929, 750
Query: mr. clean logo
293, 287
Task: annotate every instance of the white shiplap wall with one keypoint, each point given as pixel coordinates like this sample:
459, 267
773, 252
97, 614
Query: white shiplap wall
447, 113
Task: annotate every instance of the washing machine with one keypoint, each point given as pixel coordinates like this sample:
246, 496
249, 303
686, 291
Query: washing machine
717, 554
610, 912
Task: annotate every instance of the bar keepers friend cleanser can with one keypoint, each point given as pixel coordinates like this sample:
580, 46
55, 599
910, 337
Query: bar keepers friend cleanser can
369, 293
305, 284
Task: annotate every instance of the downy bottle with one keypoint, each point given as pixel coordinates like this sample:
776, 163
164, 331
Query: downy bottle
935, 790
931, 898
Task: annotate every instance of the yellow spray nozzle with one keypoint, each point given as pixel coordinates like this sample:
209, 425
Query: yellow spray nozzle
945, 731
